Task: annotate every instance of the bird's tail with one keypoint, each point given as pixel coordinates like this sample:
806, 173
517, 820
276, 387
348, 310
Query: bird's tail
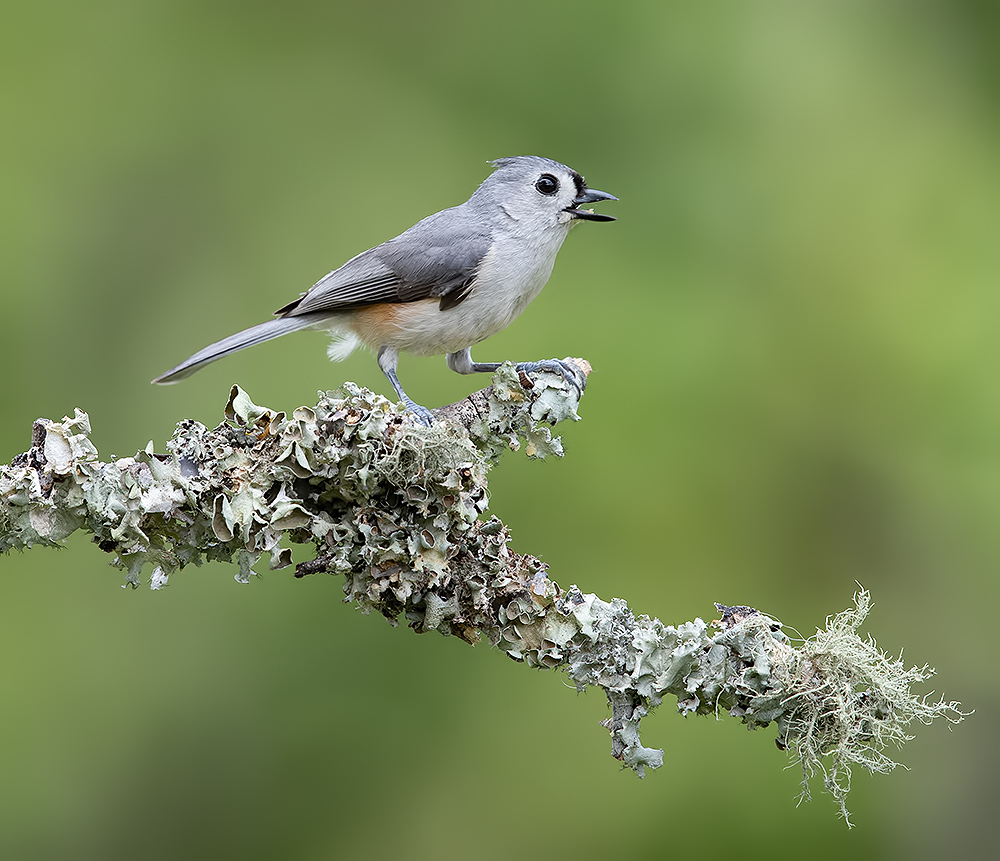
239, 341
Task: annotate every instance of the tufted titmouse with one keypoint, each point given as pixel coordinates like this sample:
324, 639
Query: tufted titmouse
450, 281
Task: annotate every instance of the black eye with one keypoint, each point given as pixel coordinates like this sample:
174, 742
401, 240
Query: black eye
547, 184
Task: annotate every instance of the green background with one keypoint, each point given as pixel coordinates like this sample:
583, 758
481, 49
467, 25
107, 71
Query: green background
794, 330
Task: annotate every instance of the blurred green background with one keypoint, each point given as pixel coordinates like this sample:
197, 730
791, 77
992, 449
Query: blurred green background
794, 332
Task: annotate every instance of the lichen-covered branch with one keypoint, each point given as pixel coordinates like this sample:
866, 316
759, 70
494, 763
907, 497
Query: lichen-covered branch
396, 509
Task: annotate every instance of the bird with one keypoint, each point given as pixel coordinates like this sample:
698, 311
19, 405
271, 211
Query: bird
445, 284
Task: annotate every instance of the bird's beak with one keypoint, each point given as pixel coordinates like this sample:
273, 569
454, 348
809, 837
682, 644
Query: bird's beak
591, 195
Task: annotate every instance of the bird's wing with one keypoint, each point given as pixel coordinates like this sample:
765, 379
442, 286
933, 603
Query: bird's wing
436, 258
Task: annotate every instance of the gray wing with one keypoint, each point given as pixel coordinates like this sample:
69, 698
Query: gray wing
436, 258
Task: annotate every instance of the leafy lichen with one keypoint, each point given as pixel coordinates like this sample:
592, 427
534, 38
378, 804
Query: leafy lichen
397, 508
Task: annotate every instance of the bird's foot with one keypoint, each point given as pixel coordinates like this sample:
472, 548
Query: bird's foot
567, 370
421, 414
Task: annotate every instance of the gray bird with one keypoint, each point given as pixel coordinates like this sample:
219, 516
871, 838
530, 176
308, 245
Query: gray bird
450, 281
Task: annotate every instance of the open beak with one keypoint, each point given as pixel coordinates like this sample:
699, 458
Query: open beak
591, 195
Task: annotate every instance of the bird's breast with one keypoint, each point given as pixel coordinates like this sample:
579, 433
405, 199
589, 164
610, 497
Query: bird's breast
511, 274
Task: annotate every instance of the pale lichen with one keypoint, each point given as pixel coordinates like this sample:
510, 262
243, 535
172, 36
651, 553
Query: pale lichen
396, 509
845, 701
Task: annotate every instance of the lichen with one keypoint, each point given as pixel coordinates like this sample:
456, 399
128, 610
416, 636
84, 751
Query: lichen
845, 701
396, 509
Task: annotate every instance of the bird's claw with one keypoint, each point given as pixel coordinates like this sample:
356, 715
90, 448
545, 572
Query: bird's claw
567, 370
421, 414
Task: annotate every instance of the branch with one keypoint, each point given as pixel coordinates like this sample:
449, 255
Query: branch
394, 507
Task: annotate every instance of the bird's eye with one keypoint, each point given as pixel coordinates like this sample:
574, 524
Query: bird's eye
547, 184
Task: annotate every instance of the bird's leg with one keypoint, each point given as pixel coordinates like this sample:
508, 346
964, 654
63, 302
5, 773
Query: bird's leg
462, 363
388, 358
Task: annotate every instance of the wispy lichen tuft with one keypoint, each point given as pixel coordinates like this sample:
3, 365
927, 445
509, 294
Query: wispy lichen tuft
846, 701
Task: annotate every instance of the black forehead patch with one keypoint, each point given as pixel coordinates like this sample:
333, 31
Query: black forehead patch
581, 185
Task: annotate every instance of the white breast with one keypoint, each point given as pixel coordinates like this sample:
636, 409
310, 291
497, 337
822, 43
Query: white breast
512, 273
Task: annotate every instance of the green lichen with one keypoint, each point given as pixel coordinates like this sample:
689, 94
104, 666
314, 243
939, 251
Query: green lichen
396, 509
